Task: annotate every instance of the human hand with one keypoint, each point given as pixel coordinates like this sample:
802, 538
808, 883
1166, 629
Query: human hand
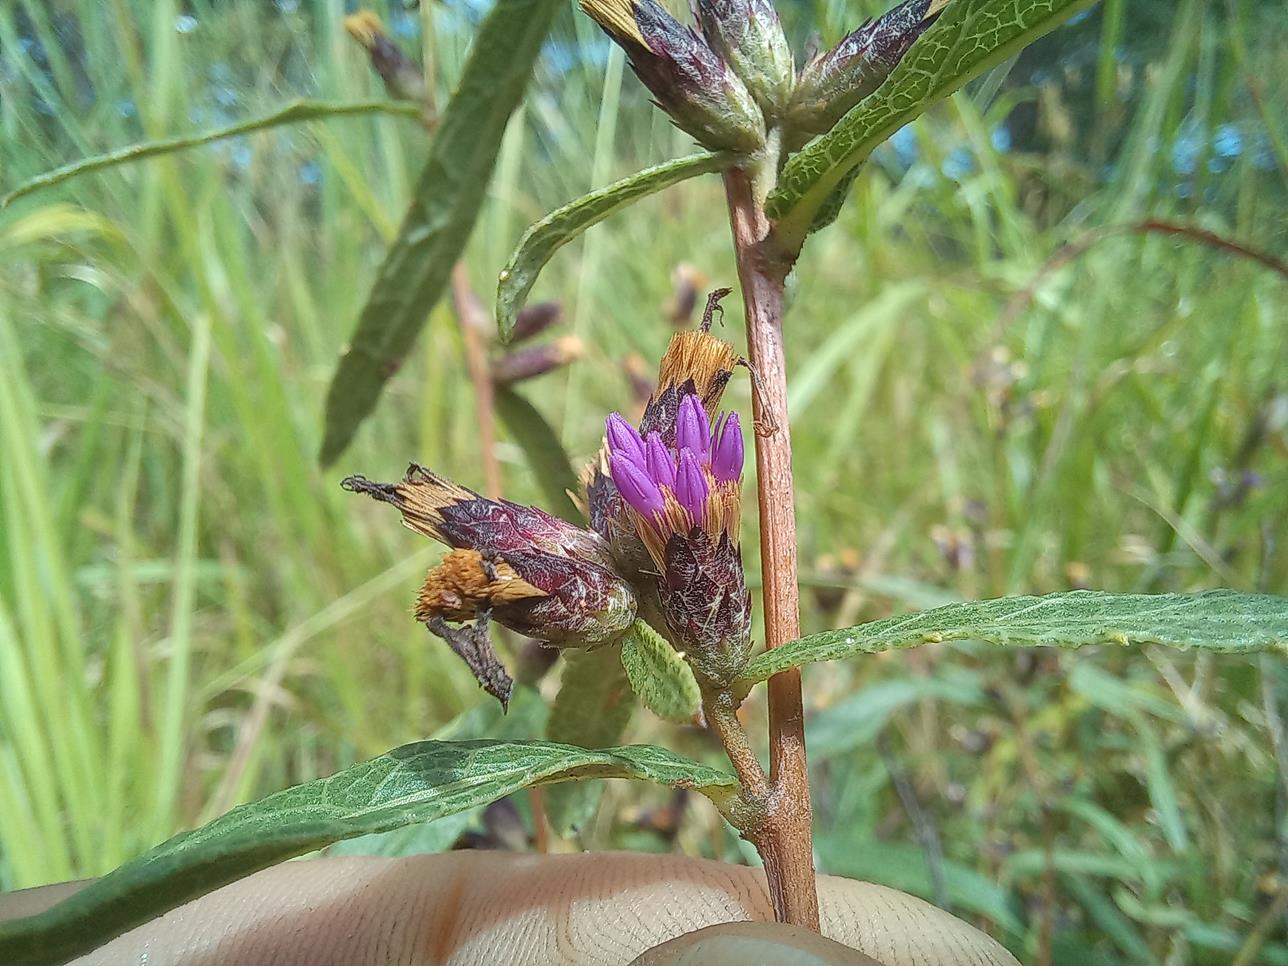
499, 907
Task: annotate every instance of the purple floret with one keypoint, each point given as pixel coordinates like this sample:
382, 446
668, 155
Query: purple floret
624, 440
659, 461
691, 485
726, 461
692, 428
635, 486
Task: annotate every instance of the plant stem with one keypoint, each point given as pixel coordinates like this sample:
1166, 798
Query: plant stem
785, 842
721, 713
472, 318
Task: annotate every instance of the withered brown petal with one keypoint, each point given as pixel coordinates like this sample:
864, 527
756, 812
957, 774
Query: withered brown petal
473, 645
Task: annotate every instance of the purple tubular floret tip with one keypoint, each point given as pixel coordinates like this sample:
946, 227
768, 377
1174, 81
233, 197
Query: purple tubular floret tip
659, 461
624, 439
693, 428
691, 485
635, 486
726, 461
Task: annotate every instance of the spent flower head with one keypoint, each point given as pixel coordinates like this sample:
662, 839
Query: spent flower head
531, 571
749, 36
832, 83
691, 82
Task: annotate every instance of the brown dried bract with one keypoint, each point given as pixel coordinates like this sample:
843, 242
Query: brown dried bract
466, 583
420, 496
701, 357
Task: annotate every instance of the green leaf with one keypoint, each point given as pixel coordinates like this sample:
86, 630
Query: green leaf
969, 37
1219, 620
592, 709
293, 113
660, 676
443, 209
564, 224
415, 783
545, 454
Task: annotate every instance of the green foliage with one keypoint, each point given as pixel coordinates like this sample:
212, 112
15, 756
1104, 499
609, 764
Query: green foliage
412, 784
659, 674
969, 37
564, 224
544, 453
593, 708
294, 113
441, 216
1219, 620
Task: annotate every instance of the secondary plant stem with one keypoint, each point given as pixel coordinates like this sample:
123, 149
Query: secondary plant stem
785, 842
472, 319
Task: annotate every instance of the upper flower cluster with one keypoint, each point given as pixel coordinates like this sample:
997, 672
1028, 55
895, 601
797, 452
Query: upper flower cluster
735, 78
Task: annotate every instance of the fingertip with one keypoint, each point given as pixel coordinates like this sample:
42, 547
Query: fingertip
746, 943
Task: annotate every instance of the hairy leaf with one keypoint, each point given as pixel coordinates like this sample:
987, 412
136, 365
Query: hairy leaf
660, 676
1219, 620
593, 707
545, 454
443, 209
564, 224
414, 783
293, 113
969, 37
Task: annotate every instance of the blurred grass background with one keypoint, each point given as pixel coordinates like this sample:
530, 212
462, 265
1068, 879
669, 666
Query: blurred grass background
192, 613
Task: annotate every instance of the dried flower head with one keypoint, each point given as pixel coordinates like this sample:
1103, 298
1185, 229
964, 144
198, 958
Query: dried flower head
402, 78
531, 571
689, 79
749, 36
832, 83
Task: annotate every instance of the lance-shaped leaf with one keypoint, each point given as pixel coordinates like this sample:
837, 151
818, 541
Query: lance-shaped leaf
969, 37
414, 783
1219, 620
442, 212
659, 674
564, 224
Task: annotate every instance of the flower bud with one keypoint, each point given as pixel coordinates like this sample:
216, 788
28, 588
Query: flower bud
684, 501
531, 571
688, 78
832, 83
533, 319
532, 361
402, 78
749, 36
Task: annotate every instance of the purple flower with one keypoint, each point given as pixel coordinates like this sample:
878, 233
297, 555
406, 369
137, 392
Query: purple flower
699, 476
636, 486
692, 427
691, 488
623, 438
659, 461
726, 461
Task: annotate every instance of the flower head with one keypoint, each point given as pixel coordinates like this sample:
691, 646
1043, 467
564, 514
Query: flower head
683, 498
531, 571
749, 36
834, 82
690, 80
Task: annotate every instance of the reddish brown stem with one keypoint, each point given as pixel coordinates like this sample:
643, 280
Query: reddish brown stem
785, 841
